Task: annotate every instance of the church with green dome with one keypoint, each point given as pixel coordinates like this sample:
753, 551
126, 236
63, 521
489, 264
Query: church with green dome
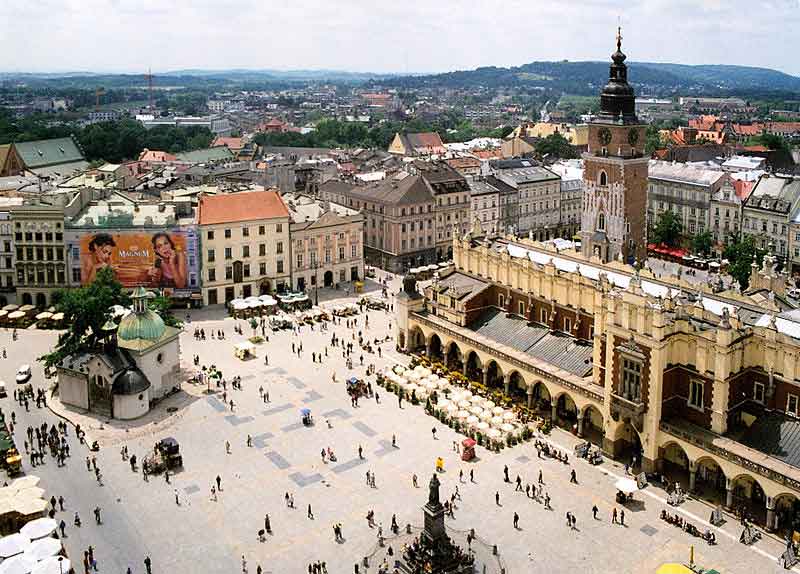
138, 365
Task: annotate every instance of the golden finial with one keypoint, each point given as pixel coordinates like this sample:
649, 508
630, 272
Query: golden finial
619, 38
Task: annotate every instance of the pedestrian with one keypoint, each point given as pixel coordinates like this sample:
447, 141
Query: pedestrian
310, 514
244, 565
516, 520
472, 475
97, 514
497, 498
249, 440
147, 564
505, 474
213, 493
62, 526
177, 500
414, 481
622, 517
519, 484
360, 451
540, 477
614, 516
433, 432
572, 477
574, 522
569, 518
460, 475
267, 525
594, 511
219, 483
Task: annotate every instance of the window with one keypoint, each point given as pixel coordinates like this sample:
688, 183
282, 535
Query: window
501, 301
327, 256
262, 249
543, 316
76, 275
211, 256
247, 270
262, 229
262, 268
228, 272
696, 394
280, 267
228, 253
521, 308
279, 247
567, 325
212, 274
603, 178
791, 404
227, 234
601, 222
341, 253
402, 227
758, 392
245, 251
245, 232
353, 248
631, 379
279, 228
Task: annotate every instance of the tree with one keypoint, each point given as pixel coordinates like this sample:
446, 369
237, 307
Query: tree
254, 326
740, 256
702, 243
86, 310
555, 145
667, 230
163, 306
652, 140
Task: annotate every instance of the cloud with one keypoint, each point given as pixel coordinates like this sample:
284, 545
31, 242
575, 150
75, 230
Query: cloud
410, 36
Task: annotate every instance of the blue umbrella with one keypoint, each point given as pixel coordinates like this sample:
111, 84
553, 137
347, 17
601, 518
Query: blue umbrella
352, 380
305, 412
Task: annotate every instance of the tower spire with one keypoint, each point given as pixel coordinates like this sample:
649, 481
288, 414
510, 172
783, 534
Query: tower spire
619, 38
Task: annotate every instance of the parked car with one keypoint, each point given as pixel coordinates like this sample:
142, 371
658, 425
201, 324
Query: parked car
23, 374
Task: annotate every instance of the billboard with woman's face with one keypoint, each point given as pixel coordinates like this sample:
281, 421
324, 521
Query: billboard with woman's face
159, 259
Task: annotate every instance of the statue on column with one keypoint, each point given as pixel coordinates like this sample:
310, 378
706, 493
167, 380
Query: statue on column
433, 491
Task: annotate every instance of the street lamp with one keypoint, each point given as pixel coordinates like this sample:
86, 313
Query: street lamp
316, 282
60, 565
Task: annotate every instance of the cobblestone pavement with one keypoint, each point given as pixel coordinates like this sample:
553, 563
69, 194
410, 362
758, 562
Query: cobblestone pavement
204, 535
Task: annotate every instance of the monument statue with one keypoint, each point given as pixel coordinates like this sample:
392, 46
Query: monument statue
433, 491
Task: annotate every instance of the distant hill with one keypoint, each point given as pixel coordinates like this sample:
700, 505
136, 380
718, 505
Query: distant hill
589, 77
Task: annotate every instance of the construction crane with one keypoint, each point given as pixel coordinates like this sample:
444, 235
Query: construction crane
149, 77
100, 91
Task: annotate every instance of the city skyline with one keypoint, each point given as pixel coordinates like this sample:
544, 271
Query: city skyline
106, 35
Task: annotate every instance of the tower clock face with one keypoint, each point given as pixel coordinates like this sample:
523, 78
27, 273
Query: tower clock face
605, 136
633, 136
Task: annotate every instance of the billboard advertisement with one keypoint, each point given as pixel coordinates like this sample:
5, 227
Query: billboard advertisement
161, 259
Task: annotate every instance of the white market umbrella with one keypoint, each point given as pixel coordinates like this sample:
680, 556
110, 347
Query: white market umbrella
425, 372
506, 427
494, 433
467, 395
497, 421
508, 416
462, 414
464, 404
451, 408
486, 416
473, 420
240, 306
476, 400
14, 544
39, 528
399, 369
498, 410
16, 315
442, 402
488, 405
476, 411
626, 485
25, 482
19, 564
483, 426
44, 547
51, 565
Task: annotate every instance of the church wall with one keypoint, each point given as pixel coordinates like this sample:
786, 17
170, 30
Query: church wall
73, 389
127, 407
158, 372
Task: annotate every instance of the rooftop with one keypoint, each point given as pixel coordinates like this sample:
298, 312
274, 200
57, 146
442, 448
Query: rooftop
241, 206
117, 212
774, 193
43, 153
681, 173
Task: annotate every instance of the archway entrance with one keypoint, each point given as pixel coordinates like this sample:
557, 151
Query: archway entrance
435, 349
675, 465
541, 399
27, 299
592, 425
748, 499
454, 359
566, 412
787, 514
709, 481
100, 400
494, 375
517, 388
263, 288
416, 341
627, 445
474, 368
328, 279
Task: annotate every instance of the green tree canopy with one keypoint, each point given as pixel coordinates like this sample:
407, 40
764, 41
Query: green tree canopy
86, 310
667, 230
555, 145
740, 256
702, 243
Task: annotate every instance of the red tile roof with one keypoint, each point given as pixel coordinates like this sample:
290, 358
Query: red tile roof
233, 144
155, 155
743, 188
242, 206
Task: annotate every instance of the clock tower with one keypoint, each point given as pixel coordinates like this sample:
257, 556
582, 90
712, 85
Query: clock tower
613, 221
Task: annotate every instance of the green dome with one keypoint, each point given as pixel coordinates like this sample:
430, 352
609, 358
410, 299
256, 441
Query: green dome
147, 325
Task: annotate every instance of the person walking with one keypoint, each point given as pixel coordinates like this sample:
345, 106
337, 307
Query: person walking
497, 498
360, 452
147, 564
573, 477
614, 516
516, 521
310, 514
219, 483
622, 517
594, 511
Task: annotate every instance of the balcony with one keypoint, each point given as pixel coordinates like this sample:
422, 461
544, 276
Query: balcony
628, 410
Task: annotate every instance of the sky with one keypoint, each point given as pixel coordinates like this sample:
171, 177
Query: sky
406, 36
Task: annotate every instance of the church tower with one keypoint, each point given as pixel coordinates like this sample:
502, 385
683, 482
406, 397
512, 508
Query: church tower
614, 215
